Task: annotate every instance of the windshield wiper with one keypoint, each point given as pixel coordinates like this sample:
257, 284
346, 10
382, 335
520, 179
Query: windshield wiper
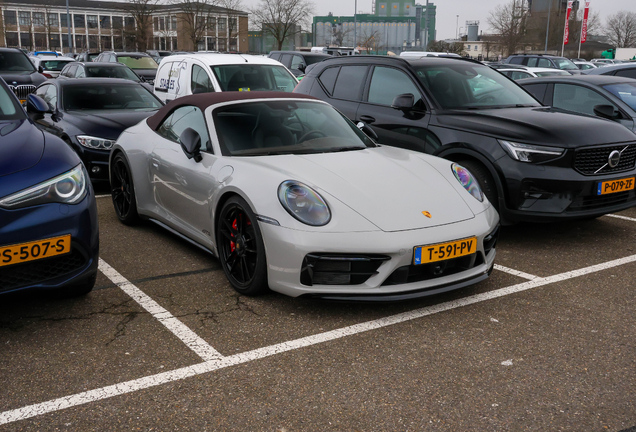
341, 149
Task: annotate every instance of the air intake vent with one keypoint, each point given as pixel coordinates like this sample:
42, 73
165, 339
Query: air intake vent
336, 269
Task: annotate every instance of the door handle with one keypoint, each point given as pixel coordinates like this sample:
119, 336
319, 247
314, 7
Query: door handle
367, 119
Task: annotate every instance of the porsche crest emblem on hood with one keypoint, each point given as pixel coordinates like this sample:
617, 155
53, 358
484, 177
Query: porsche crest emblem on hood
427, 214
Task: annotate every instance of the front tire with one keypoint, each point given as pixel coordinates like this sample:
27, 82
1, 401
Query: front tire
123, 191
241, 248
486, 182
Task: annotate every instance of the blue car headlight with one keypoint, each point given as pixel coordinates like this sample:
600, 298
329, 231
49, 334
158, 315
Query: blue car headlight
303, 203
466, 179
68, 188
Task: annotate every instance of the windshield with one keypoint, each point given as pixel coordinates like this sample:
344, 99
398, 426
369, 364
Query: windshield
111, 72
625, 91
285, 127
464, 85
251, 77
564, 64
54, 65
15, 62
88, 97
93, 56
9, 108
138, 62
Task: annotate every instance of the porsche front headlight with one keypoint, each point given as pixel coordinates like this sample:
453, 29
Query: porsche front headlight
68, 188
303, 203
95, 143
530, 153
466, 179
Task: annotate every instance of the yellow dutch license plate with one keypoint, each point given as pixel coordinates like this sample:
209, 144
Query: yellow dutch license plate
444, 251
23, 252
614, 186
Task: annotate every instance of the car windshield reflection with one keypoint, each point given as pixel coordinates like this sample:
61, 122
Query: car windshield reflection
285, 127
90, 97
471, 86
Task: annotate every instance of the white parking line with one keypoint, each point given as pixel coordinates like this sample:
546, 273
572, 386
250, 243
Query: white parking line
209, 366
102, 196
516, 272
180, 330
621, 217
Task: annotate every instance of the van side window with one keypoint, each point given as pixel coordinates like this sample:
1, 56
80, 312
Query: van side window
350, 82
328, 79
201, 82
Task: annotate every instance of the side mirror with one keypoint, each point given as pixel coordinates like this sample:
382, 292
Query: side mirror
302, 68
368, 131
191, 144
606, 111
40, 69
403, 102
36, 105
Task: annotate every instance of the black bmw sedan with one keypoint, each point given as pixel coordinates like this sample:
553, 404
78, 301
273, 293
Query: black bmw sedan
91, 114
533, 162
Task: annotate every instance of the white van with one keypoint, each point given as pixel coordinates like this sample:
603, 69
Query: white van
186, 74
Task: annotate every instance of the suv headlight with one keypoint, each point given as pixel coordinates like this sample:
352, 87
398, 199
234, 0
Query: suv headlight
469, 182
95, 143
303, 203
530, 153
68, 188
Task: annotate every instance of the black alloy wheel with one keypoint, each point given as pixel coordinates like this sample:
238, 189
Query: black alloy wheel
123, 191
241, 248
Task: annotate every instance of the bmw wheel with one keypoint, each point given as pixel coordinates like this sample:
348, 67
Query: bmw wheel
123, 191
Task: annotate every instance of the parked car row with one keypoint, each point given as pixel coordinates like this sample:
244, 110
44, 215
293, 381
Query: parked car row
294, 195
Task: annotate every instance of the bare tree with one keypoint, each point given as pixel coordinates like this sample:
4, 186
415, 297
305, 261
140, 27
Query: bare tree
441, 46
194, 15
370, 41
141, 11
233, 8
621, 29
509, 21
281, 19
339, 34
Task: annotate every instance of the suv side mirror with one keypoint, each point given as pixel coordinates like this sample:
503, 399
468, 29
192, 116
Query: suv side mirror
607, 111
403, 102
36, 105
40, 69
302, 68
191, 144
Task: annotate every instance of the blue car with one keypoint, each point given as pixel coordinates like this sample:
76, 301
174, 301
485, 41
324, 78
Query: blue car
49, 236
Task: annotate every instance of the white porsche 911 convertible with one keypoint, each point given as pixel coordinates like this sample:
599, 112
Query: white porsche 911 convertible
290, 195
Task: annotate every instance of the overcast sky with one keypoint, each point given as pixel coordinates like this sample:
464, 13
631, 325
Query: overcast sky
447, 11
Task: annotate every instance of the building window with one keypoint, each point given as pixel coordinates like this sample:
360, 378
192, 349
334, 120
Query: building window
93, 42
174, 22
79, 21
222, 44
211, 44
118, 22
212, 24
38, 19
10, 19
54, 42
63, 20
233, 26
91, 21
25, 40
156, 23
54, 20
106, 45
118, 44
233, 44
162, 23
129, 22
104, 22
65, 40
468, 47
162, 44
40, 40
222, 24
80, 42
24, 19
12, 39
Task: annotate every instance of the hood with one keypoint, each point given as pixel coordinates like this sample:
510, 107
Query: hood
22, 78
105, 124
21, 146
542, 126
389, 191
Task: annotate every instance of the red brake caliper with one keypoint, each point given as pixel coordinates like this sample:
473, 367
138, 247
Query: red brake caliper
232, 245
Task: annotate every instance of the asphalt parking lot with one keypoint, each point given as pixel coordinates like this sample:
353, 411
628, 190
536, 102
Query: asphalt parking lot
164, 343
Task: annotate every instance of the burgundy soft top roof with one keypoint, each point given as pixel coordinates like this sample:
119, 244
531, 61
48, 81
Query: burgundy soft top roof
204, 100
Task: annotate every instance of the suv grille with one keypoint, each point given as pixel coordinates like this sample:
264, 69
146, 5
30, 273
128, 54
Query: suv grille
34, 272
594, 161
22, 91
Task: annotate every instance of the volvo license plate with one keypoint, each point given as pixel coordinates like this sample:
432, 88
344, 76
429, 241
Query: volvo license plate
444, 251
23, 252
613, 186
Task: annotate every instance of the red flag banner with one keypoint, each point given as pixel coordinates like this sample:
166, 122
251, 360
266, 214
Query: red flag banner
566, 33
584, 23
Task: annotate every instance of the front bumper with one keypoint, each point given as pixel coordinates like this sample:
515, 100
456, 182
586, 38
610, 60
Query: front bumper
287, 249
46, 221
95, 161
544, 193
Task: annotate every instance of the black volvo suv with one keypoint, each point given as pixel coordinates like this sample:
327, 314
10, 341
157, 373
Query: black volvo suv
534, 163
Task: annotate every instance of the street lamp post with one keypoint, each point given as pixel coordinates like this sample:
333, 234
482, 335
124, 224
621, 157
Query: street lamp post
68, 25
355, 25
456, 28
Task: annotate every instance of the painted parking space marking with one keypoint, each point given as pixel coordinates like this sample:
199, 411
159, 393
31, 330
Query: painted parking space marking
102, 196
516, 272
621, 217
223, 362
183, 332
